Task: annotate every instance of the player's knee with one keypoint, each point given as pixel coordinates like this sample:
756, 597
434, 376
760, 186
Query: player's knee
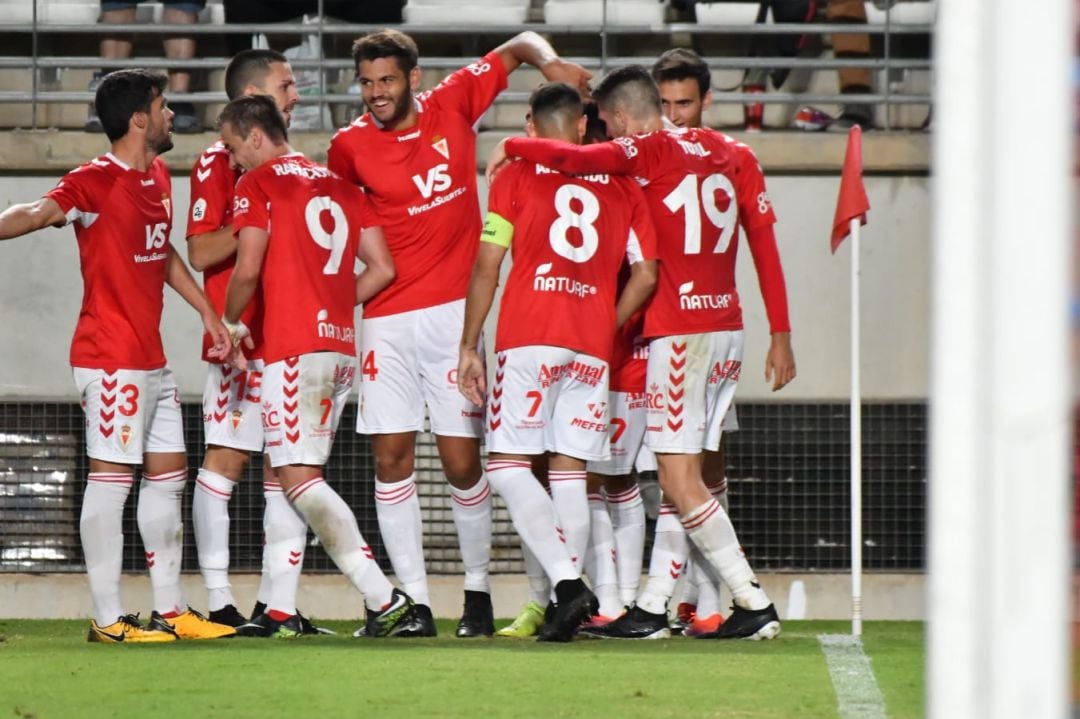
393, 466
229, 463
462, 472
614, 485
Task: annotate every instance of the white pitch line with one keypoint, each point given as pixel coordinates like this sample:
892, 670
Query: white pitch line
857, 692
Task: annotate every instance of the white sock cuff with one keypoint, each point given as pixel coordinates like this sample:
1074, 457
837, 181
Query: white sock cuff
111, 478
167, 479
271, 489
473, 496
719, 489
294, 494
566, 476
395, 492
214, 484
596, 497
698, 516
668, 521
626, 496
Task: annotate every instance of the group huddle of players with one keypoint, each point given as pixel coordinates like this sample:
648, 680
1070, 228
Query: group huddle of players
619, 340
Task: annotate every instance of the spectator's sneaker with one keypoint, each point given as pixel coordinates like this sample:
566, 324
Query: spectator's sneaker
228, 615
748, 624
291, 628
127, 629
309, 627
185, 122
684, 616
261, 625
93, 122
398, 619
192, 625
636, 623
527, 623
574, 606
861, 115
812, 119
477, 618
703, 627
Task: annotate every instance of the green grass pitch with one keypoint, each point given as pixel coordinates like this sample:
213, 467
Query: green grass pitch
49, 670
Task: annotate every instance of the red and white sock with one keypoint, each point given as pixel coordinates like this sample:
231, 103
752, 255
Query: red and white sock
210, 518
600, 557
539, 584
719, 492
472, 517
702, 581
533, 516
162, 531
570, 498
627, 513
335, 525
398, 509
710, 529
101, 529
667, 563
285, 531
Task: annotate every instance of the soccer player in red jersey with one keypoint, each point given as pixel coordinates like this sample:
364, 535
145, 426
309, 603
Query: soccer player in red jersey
305, 269
694, 324
415, 156
683, 80
232, 404
121, 204
557, 319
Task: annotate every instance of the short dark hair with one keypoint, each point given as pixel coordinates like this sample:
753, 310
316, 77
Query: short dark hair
387, 43
259, 111
595, 128
680, 63
123, 93
249, 67
555, 101
630, 88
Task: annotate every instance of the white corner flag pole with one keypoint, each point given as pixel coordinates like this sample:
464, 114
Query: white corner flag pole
856, 440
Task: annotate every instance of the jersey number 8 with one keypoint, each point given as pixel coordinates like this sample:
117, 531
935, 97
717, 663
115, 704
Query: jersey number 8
583, 221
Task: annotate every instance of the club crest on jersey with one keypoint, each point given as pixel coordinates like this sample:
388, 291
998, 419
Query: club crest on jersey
167, 204
597, 409
125, 434
441, 146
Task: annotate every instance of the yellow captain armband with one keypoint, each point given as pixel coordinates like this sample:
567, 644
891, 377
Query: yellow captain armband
497, 230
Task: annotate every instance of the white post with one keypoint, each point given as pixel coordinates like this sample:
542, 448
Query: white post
856, 440
1000, 388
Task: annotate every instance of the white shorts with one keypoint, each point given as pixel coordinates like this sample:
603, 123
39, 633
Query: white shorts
695, 377
408, 361
130, 413
232, 407
548, 399
303, 398
626, 433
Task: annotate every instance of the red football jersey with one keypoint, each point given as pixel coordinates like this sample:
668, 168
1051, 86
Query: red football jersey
690, 178
122, 218
308, 283
630, 350
422, 185
568, 236
213, 181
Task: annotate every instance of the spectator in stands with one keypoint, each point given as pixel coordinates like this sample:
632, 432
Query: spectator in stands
177, 47
376, 12
854, 81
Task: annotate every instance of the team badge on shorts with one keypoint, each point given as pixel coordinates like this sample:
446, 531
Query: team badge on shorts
237, 418
125, 434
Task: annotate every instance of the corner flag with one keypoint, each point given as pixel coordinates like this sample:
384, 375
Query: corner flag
852, 203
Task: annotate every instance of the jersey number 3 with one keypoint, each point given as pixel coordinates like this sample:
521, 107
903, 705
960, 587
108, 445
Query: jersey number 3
334, 241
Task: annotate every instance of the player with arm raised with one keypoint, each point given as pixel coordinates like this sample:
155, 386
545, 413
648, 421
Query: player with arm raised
694, 325
121, 205
558, 316
300, 230
684, 80
415, 156
232, 408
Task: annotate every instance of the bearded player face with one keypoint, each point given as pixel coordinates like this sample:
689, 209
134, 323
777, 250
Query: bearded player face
388, 90
159, 126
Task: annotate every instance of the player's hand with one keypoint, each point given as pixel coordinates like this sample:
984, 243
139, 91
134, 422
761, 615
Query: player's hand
780, 361
471, 381
496, 161
220, 339
574, 75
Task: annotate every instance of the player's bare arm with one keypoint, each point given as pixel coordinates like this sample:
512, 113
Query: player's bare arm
209, 248
482, 284
19, 220
251, 250
379, 269
639, 288
179, 278
531, 49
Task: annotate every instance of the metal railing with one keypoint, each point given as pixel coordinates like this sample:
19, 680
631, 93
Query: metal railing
37, 96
